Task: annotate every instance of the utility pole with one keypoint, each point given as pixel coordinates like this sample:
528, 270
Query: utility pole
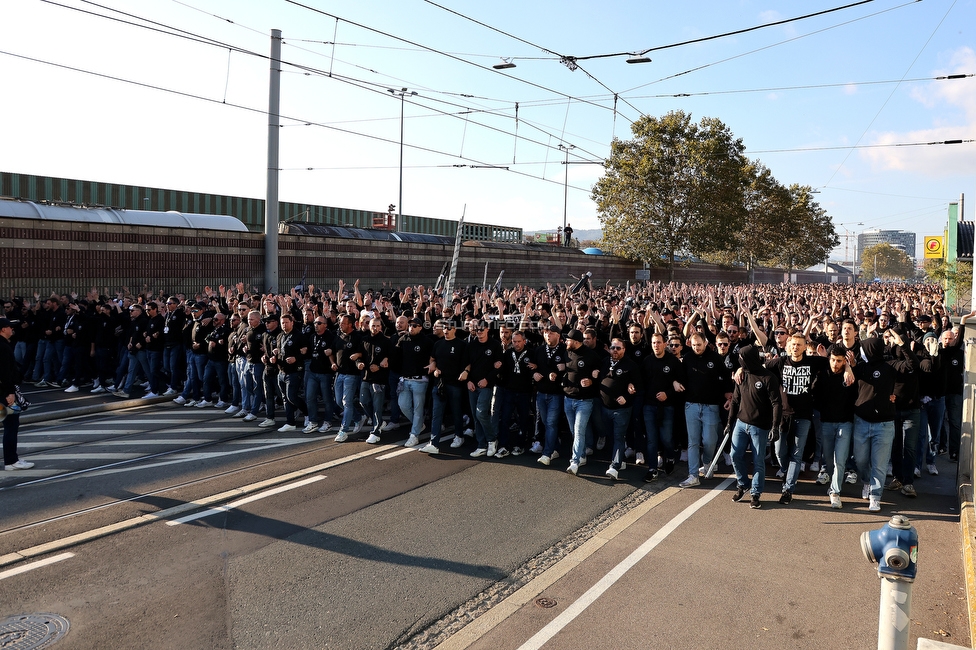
271, 201
567, 149
402, 93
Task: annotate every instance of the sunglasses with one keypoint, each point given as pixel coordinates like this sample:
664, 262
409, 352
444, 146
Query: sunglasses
616, 347
722, 345
674, 345
780, 333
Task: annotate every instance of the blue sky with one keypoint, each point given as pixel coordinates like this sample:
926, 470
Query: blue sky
816, 88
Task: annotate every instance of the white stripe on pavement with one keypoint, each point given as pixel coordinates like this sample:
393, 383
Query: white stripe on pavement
617, 572
35, 565
235, 504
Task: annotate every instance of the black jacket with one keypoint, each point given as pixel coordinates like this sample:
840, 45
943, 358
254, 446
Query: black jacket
758, 399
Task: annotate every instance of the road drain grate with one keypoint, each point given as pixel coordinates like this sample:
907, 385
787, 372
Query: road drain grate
545, 603
31, 631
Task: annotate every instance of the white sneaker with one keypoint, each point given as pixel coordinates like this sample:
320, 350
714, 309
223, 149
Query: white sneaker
874, 504
285, 428
469, 432
640, 459
536, 447
20, 464
726, 458
850, 477
614, 474
502, 452
390, 426
480, 451
589, 451
573, 468
202, 404
803, 467
933, 470
148, 395
582, 461
601, 442
412, 441
865, 491
918, 473
359, 425
325, 428
457, 442
250, 417
684, 456
430, 449
222, 405
179, 400
169, 392
232, 410
545, 460
780, 473
311, 428
814, 466
74, 389
190, 403
888, 470
709, 472
144, 385
691, 481
97, 390
823, 477
342, 437
492, 448
241, 413
373, 439
835, 502
555, 455
267, 422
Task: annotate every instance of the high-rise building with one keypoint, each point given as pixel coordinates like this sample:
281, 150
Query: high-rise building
898, 238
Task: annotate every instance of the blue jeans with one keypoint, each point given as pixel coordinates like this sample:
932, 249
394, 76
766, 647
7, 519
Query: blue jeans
872, 450
480, 402
702, 421
836, 450
412, 399
954, 421
48, 360
790, 450
578, 413
371, 398
138, 360
904, 446
618, 420
235, 368
319, 384
215, 369
549, 407
744, 435
253, 387
172, 365
346, 393
196, 369
929, 427
288, 385
155, 359
659, 423
452, 399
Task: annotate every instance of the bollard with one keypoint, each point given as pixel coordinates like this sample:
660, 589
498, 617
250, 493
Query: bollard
894, 547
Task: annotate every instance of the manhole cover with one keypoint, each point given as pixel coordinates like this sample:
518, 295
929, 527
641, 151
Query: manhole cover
545, 603
30, 631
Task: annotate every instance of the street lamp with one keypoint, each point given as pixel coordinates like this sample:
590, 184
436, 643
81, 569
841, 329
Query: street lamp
402, 93
567, 148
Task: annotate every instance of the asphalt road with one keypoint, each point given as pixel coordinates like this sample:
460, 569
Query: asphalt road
358, 546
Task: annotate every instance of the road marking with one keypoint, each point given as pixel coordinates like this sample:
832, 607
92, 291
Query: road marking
34, 565
92, 456
240, 502
617, 572
75, 432
394, 454
151, 441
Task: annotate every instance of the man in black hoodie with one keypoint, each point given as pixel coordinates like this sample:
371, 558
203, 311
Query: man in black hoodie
756, 409
874, 412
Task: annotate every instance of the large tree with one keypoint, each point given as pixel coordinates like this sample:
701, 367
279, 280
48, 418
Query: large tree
676, 187
885, 262
810, 234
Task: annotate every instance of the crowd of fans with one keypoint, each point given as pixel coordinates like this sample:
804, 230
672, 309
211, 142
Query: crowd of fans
847, 381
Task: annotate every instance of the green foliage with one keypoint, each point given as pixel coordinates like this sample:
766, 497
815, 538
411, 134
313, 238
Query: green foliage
886, 262
957, 275
680, 188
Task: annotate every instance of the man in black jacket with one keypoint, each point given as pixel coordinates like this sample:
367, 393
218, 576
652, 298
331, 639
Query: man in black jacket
834, 398
10, 378
756, 409
580, 387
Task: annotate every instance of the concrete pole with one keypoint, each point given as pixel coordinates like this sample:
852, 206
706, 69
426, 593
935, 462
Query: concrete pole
271, 202
894, 619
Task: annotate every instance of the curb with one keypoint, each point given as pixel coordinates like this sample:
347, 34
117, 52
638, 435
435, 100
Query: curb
34, 418
967, 519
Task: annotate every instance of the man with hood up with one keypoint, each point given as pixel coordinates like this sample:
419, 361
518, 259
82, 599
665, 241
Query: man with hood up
756, 411
874, 411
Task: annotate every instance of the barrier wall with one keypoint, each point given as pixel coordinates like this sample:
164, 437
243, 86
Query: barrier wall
45, 256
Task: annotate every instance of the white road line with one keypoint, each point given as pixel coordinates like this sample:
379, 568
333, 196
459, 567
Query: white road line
93, 432
235, 504
46, 445
394, 454
31, 473
42, 457
183, 458
35, 565
151, 441
617, 572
